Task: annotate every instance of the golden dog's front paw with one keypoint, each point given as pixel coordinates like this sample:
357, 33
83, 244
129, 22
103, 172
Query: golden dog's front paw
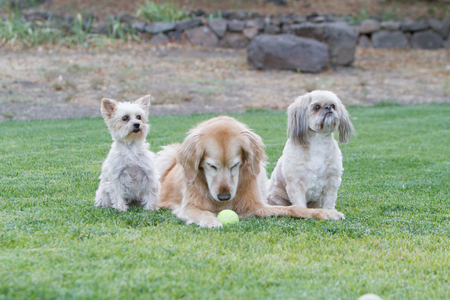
210, 222
332, 214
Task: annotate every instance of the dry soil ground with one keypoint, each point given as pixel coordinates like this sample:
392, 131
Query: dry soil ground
49, 82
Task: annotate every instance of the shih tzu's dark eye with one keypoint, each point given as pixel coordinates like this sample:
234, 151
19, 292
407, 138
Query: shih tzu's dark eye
138, 117
332, 106
317, 107
125, 118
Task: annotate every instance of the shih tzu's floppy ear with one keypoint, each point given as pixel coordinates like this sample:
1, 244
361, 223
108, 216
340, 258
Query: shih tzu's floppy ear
190, 154
108, 107
253, 148
346, 129
145, 102
298, 120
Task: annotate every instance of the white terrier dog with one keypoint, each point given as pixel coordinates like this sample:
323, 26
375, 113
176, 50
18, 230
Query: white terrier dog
129, 176
308, 174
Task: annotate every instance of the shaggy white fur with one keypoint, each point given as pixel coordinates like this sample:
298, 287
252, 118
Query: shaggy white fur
308, 174
129, 176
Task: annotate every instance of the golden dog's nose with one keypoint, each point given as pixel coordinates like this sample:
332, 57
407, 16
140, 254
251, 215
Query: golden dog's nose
224, 197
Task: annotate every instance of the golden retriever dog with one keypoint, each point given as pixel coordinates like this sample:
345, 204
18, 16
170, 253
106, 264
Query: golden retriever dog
221, 165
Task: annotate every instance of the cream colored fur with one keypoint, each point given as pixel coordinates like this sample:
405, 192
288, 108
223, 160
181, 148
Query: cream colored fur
308, 174
129, 176
220, 165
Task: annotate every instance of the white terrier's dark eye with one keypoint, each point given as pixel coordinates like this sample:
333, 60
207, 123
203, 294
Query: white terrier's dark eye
138, 117
125, 118
332, 106
317, 107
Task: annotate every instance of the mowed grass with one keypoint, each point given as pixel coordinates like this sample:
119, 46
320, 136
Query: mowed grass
394, 242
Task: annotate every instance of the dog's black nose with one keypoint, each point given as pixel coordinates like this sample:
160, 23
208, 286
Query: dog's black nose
224, 197
136, 125
328, 108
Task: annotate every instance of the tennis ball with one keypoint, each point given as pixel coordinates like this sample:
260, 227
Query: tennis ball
227, 216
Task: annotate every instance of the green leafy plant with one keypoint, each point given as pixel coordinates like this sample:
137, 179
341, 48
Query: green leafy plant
164, 12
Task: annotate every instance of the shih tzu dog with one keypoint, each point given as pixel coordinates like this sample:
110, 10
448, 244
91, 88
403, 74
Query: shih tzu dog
309, 172
129, 176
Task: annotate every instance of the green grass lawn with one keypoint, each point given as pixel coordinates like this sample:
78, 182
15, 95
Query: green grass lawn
394, 242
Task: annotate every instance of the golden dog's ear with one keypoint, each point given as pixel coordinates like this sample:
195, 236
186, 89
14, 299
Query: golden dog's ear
108, 107
190, 155
346, 129
298, 120
253, 148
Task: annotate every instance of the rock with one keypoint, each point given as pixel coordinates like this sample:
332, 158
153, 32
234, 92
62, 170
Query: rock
37, 15
364, 41
233, 40
271, 29
250, 32
139, 26
285, 28
202, 36
287, 52
275, 21
257, 23
285, 19
157, 27
239, 15
413, 26
236, 26
160, 38
277, 2
440, 27
447, 44
340, 37
426, 40
175, 36
299, 19
368, 26
389, 39
218, 26
319, 19
188, 24
390, 25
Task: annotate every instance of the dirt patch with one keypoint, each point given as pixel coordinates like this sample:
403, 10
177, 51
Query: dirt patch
52, 83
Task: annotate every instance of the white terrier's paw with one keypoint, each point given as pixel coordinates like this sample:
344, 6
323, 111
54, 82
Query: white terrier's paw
210, 222
120, 206
151, 206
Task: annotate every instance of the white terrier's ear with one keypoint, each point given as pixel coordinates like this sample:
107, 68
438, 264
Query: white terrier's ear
298, 120
108, 107
145, 102
346, 129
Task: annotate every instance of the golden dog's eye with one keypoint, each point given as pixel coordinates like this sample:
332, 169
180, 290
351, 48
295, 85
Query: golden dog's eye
317, 107
235, 165
212, 166
125, 118
138, 117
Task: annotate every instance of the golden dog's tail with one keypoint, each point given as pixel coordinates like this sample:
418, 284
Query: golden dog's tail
166, 159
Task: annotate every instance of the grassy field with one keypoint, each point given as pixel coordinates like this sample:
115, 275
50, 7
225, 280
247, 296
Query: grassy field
395, 241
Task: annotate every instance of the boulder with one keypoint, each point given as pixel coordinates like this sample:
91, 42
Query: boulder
340, 37
234, 41
389, 39
250, 32
368, 26
426, 40
256, 23
413, 26
287, 52
447, 43
218, 26
236, 25
440, 27
139, 26
202, 36
390, 25
364, 41
157, 27
160, 38
187, 24
271, 29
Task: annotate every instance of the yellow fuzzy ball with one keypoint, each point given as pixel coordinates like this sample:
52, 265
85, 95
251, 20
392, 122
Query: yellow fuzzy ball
227, 216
